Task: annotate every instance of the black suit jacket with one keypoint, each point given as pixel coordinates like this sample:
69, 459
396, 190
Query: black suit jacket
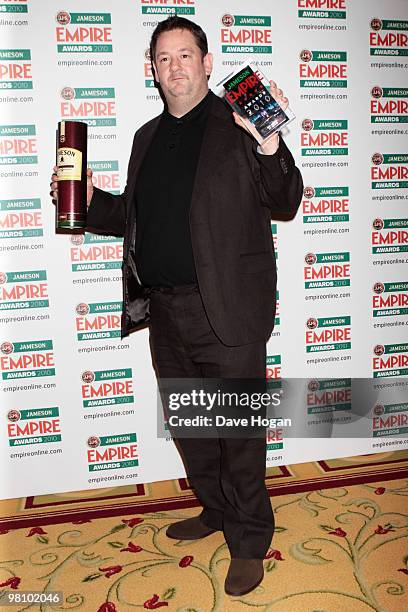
236, 191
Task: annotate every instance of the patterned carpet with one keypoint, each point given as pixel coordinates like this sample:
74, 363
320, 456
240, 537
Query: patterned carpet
340, 545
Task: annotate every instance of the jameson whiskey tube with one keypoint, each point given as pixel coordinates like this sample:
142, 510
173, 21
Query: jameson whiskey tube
71, 162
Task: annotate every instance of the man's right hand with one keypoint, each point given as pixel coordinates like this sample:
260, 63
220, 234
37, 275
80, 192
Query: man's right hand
89, 186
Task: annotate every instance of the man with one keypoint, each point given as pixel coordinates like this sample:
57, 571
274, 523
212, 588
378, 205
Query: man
199, 267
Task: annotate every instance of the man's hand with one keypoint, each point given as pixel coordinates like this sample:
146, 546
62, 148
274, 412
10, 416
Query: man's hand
271, 145
89, 186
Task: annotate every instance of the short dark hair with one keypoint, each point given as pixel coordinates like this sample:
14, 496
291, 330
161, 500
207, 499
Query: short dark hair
179, 23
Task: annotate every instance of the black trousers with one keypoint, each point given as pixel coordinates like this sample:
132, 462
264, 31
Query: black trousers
227, 475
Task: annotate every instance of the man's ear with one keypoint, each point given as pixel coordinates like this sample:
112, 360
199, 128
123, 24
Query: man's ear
208, 63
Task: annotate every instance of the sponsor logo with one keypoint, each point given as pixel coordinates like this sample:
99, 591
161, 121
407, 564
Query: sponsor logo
389, 171
98, 320
328, 334
167, 7
323, 69
274, 439
273, 369
27, 359
106, 175
325, 205
94, 105
112, 452
274, 230
277, 312
18, 144
20, 290
329, 395
390, 299
33, 426
389, 104
322, 9
13, 6
388, 37
90, 252
390, 360
389, 236
147, 69
15, 69
83, 32
326, 270
394, 422
324, 137
107, 387
246, 34
20, 218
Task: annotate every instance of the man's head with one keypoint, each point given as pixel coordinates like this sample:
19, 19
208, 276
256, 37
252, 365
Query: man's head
181, 62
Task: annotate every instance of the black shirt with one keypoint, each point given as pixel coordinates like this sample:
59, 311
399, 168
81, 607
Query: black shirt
164, 254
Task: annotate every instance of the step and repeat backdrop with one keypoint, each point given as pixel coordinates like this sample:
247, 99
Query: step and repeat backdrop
78, 404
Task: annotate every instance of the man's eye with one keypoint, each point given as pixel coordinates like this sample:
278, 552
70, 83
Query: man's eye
185, 55
163, 59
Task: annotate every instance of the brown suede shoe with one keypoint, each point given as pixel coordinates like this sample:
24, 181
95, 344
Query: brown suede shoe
243, 576
189, 529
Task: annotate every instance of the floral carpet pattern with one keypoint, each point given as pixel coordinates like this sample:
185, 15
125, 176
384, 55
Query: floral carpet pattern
340, 549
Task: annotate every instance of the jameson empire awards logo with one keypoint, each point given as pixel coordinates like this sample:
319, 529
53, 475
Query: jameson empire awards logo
274, 439
90, 252
277, 312
21, 290
15, 69
330, 395
323, 69
388, 37
147, 70
107, 387
390, 360
274, 231
13, 6
20, 218
389, 104
390, 419
322, 9
33, 426
106, 175
389, 171
168, 7
18, 144
389, 236
328, 334
246, 34
390, 299
324, 137
83, 32
96, 106
325, 205
273, 368
112, 452
27, 359
98, 320
327, 270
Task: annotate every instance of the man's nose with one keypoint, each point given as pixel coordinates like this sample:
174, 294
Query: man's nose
174, 63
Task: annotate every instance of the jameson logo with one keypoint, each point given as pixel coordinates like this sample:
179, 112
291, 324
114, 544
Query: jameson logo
325, 205
389, 171
388, 37
246, 34
20, 290
389, 104
274, 439
390, 419
147, 69
33, 426
390, 299
322, 9
106, 175
390, 360
273, 371
20, 218
324, 137
90, 252
323, 69
277, 312
330, 395
15, 69
13, 6
96, 106
167, 7
112, 452
327, 270
274, 230
328, 334
18, 144
27, 359
389, 236
98, 320
107, 387
83, 32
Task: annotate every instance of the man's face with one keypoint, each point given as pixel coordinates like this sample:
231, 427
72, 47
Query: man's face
179, 66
